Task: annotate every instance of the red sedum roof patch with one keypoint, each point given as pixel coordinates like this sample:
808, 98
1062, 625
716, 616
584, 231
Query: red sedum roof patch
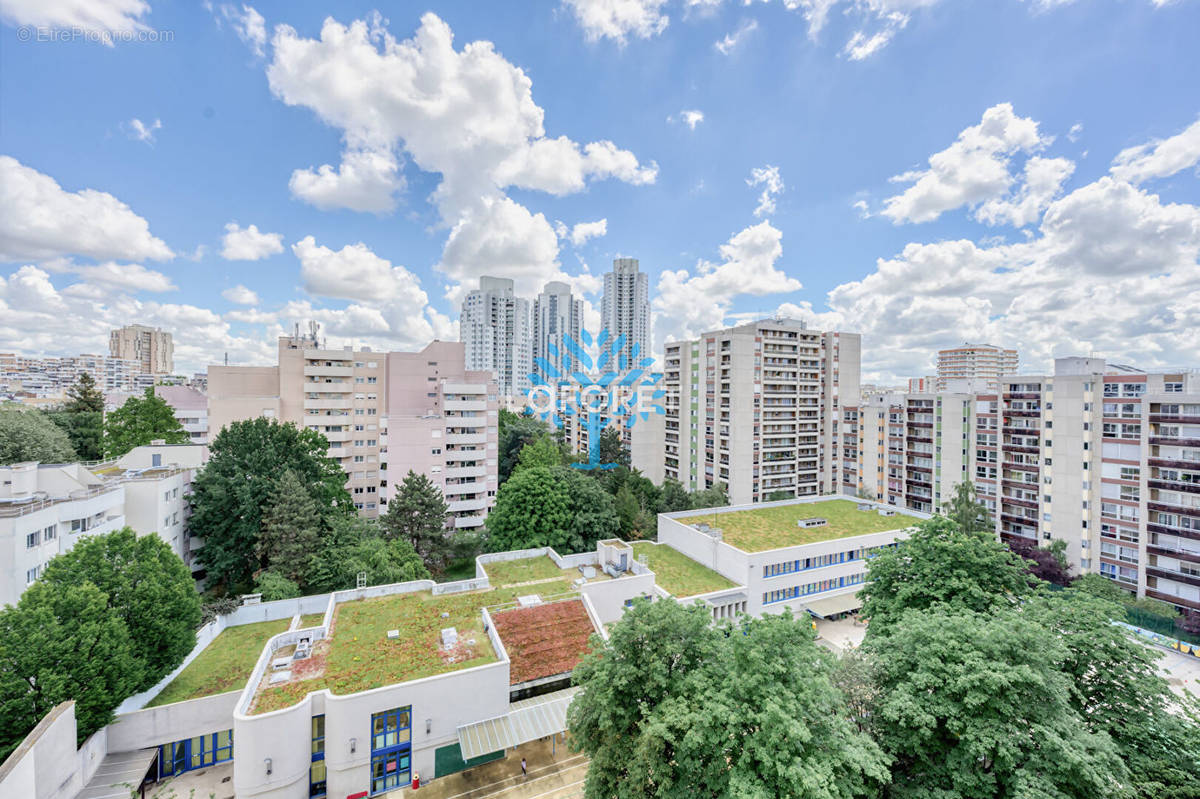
545, 640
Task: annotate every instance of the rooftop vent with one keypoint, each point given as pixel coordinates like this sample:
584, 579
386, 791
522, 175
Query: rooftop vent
529, 601
449, 637
814, 522
393, 634
865, 506
887, 512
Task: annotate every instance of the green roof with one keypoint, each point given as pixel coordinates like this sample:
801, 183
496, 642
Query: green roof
677, 573
768, 528
224, 665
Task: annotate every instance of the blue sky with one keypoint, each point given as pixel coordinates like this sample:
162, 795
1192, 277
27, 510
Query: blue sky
928, 171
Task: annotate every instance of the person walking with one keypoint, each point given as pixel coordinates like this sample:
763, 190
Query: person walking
524, 771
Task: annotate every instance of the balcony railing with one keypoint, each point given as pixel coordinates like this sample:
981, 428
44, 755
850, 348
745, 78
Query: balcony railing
1172, 419
1175, 464
1174, 485
1181, 532
1179, 577
1179, 554
1178, 442
1174, 600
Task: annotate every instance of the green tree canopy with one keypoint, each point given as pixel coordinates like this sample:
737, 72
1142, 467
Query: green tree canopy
291, 528
230, 493
674, 497
659, 715
417, 514
353, 545
273, 585
611, 450
82, 418
939, 563
57, 645
138, 422
146, 584
84, 396
715, 497
542, 451
515, 431
965, 509
551, 506
29, 435
977, 705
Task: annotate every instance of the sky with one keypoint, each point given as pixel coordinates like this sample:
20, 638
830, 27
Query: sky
921, 172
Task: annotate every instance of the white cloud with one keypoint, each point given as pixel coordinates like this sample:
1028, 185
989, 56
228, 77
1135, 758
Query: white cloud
366, 180
588, 230
730, 41
109, 19
240, 295
248, 244
1041, 183
142, 132
42, 221
248, 24
691, 118
466, 114
1075, 132
864, 211
1159, 158
768, 177
617, 19
128, 277
972, 170
689, 303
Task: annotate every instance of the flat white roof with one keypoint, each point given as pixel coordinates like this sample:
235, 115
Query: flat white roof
526, 720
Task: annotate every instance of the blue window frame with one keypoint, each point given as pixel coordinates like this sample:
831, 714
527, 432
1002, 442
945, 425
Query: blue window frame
193, 753
316, 772
391, 749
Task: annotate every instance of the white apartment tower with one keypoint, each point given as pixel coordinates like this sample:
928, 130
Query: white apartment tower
150, 347
626, 306
495, 328
753, 407
555, 313
979, 362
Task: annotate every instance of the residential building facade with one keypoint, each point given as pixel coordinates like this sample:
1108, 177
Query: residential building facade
496, 330
984, 362
556, 313
189, 405
625, 308
150, 347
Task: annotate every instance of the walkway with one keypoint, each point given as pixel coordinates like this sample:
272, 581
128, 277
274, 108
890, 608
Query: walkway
118, 775
556, 774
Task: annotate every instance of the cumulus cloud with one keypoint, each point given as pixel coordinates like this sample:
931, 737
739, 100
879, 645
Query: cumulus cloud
1041, 182
112, 17
691, 118
687, 303
767, 177
41, 220
1159, 158
730, 41
619, 19
240, 295
972, 170
140, 131
466, 114
248, 244
129, 277
366, 180
583, 231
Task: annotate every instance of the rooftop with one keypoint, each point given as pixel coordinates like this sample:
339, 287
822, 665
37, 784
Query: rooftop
224, 665
544, 640
532, 572
768, 528
677, 573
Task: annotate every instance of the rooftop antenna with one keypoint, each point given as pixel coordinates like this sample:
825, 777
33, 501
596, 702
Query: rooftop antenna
227, 358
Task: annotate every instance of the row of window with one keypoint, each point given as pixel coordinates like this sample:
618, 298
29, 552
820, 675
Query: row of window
795, 591
38, 537
820, 561
193, 753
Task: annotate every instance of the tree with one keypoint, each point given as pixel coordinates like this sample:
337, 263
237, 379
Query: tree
542, 451
1189, 623
273, 585
57, 645
291, 528
628, 510
715, 497
939, 563
231, 491
976, 705
1101, 587
544, 506
776, 496
417, 514
1117, 691
674, 497
353, 545
138, 422
965, 509
611, 449
516, 430
28, 435
595, 512
658, 715
82, 418
1046, 563
146, 584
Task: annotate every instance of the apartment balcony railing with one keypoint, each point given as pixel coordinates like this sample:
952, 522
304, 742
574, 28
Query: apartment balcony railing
1170, 418
1022, 448
1022, 413
1024, 467
1173, 599
1025, 503
921, 439
914, 467
1181, 532
1023, 395
1174, 485
1172, 463
1179, 577
1015, 519
1179, 554
920, 424
1178, 442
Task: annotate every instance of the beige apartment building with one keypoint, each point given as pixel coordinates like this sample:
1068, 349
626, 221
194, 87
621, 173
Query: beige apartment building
352, 397
1101, 456
979, 362
149, 347
753, 407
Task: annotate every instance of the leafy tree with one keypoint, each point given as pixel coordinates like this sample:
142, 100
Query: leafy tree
715, 497
543, 506
230, 493
628, 511
273, 585
1189, 623
595, 513
776, 496
291, 525
965, 509
146, 584
1116, 689
417, 514
674, 497
29, 435
57, 645
659, 716
515, 431
138, 422
82, 418
542, 451
353, 545
977, 705
1046, 563
611, 449
939, 563
1099, 586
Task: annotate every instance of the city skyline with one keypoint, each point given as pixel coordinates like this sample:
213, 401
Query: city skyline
1023, 200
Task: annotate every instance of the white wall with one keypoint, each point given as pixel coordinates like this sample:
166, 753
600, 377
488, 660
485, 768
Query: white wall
46, 764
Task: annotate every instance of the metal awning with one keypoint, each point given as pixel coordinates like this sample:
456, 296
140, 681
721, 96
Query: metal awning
525, 721
831, 606
116, 773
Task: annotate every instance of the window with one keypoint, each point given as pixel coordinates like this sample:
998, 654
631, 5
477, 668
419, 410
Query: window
50, 533
391, 749
33, 539
316, 772
31, 576
193, 753
156, 459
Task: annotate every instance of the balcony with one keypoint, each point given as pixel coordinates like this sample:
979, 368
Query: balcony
1177, 442
1023, 395
1171, 419
326, 404
1174, 464
1178, 577
465, 405
1174, 600
1025, 503
460, 505
459, 472
312, 370
920, 424
1174, 485
1022, 413
1179, 554
466, 522
1181, 532
1024, 467
1022, 448
466, 438
1014, 519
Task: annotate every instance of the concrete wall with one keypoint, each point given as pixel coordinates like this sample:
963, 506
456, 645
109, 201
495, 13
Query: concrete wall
166, 723
608, 597
47, 765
